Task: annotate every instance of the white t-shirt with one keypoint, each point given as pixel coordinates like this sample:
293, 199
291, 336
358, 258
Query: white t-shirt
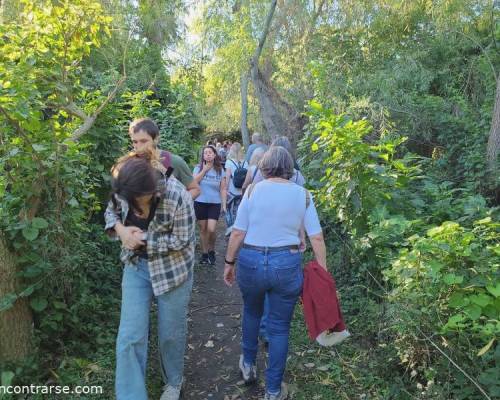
274, 213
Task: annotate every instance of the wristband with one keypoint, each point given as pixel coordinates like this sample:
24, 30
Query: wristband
230, 263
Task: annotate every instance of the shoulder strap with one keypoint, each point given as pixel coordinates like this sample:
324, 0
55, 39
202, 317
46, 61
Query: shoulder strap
255, 173
308, 198
166, 159
236, 165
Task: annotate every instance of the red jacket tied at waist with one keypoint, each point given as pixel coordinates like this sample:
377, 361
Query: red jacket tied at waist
319, 297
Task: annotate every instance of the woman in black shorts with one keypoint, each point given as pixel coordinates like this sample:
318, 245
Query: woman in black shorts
210, 176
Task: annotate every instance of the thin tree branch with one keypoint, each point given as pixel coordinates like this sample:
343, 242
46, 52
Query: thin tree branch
454, 364
482, 50
265, 32
244, 109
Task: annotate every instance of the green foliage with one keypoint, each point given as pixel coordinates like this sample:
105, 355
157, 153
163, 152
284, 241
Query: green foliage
53, 187
45, 169
425, 72
357, 175
448, 282
428, 68
431, 250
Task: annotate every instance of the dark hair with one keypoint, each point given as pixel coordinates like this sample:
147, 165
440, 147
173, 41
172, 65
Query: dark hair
217, 160
144, 124
276, 163
134, 177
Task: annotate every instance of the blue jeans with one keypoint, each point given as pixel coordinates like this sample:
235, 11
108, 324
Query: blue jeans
277, 276
263, 322
232, 208
132, 341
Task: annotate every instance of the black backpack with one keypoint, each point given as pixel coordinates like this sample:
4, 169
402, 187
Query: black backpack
239, 175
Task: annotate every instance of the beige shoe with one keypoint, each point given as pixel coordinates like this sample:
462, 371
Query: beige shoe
282, 395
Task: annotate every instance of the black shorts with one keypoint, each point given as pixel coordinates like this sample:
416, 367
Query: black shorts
205, 211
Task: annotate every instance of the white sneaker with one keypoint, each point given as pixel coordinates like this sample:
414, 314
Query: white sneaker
282, 395
171, 392
333, 338
248, 372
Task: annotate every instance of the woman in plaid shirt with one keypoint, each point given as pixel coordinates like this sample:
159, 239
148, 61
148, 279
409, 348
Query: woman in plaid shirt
158, 264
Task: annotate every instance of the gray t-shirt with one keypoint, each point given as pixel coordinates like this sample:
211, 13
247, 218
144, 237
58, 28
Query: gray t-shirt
210, 186
274, 213
181, 170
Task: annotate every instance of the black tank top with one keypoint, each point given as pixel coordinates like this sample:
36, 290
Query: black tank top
143, 224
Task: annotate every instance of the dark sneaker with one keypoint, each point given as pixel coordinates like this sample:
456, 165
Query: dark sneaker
248, 372
211, 257
203, 259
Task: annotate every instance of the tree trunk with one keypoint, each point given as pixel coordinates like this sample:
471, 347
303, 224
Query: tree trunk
494, 138
278, 117
244, 109
16, 323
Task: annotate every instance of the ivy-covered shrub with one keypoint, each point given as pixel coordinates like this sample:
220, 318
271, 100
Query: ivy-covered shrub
53, 184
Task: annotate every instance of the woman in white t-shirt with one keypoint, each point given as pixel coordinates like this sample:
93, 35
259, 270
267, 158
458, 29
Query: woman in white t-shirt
270, 218
236, 170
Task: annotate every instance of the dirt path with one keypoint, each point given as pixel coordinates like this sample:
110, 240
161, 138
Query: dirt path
213, 351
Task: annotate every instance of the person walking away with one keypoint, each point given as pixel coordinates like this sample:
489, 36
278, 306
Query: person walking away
210, 176
158, 263
297, 178
236, 171
222, 152
253, 167
257, 142
268, 222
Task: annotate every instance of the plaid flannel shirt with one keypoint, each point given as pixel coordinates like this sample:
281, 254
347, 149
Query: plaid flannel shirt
170, 236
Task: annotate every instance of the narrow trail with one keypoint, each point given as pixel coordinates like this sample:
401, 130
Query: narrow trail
213, 351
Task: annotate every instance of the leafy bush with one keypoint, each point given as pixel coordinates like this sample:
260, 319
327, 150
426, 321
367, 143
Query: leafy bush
429, 249
447, 283
53, 185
